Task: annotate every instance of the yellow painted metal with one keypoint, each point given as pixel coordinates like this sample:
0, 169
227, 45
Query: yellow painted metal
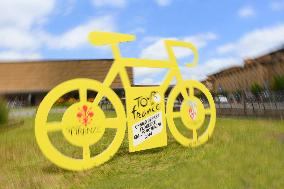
192, 113
84, 123
76, 132
107, 38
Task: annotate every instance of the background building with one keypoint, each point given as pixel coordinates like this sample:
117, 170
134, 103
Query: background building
261, 71
28, 82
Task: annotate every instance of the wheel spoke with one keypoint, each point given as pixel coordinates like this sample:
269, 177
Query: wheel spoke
184, 94
176, 114
112, 122
191, 91
83, 94
98, 97
54, 126
194, 134
207, 111
86, 152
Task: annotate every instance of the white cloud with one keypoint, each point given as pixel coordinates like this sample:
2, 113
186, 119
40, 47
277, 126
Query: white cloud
277, 5
226, 48
122, 3
14, 55
246, 12
138, 30
77, 36
156, 50
146, 76
252, 44
14, 38
147, 81
18, 22
147, 72
211, 66
113, 3
23, 14
67, 7
163, 2
21, 28
255, 43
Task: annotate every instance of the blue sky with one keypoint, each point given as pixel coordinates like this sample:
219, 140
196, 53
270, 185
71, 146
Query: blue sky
225, 32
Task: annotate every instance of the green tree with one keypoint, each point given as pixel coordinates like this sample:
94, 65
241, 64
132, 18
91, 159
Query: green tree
4, 111
278, 83
238, 92
222, 93
255, 89
199, 94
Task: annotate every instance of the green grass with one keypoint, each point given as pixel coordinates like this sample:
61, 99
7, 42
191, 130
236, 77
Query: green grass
243, 153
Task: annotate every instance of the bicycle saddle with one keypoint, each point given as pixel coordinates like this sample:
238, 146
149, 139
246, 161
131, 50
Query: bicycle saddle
108, 38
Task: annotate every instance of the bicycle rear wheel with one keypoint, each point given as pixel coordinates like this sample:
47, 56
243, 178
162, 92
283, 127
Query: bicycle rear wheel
83, 124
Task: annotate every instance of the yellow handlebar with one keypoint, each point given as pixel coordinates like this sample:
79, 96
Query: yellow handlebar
171, 43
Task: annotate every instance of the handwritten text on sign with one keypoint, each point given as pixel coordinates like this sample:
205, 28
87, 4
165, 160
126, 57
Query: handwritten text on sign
147, 128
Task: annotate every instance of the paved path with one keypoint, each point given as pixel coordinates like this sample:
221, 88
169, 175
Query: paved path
30, 112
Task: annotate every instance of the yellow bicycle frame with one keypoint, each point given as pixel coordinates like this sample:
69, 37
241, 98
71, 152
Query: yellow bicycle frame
119, 68
120, 64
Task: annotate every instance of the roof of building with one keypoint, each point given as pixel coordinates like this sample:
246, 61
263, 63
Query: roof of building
41, 76
265, 59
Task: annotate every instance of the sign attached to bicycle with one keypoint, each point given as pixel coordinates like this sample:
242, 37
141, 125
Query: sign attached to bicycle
146, 118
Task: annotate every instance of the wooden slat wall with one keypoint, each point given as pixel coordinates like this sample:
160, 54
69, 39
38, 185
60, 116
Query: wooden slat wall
260, 70
41, 76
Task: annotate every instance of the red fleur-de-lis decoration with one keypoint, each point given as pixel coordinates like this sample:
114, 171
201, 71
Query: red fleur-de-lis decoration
192, 112
85, 115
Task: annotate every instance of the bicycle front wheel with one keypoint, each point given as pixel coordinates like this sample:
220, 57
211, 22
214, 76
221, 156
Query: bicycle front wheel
197, 113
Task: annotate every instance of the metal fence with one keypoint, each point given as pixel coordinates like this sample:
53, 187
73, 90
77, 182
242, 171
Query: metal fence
263, 100
267, 103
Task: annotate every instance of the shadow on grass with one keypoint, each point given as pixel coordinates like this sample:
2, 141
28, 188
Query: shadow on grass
12, 124
53, 169
276, 135
149, 151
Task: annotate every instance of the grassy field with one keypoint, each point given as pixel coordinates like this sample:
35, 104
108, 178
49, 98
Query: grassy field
243, 153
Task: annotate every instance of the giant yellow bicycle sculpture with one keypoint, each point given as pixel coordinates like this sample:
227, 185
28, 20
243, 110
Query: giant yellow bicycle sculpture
84, 123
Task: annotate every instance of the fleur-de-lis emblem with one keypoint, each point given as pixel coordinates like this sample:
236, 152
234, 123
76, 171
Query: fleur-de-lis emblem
85, 115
